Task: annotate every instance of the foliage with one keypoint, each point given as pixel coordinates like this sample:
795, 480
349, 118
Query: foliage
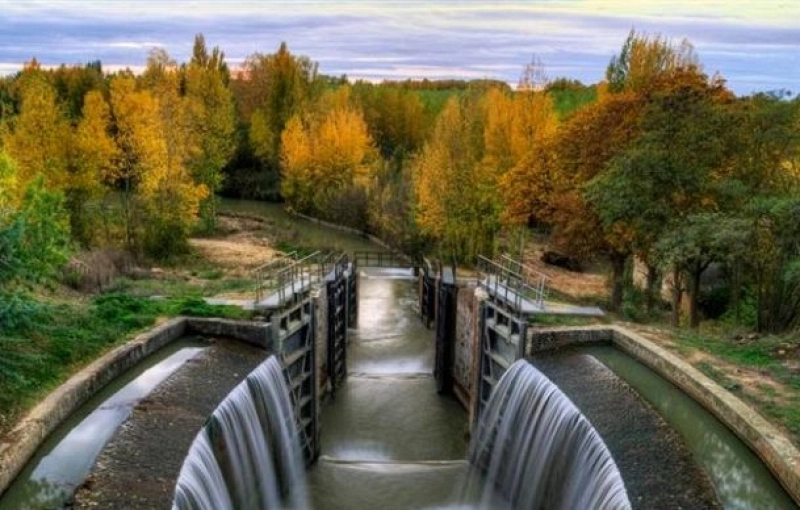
212, 121
35, 238
328, 158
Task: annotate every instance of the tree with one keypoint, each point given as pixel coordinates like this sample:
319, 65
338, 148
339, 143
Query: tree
213, 122
170, 196
457, 204
583, 147
643, 58
670, 169
328, 159
141, 147
278, 86
694, 243
39, 137
92, 162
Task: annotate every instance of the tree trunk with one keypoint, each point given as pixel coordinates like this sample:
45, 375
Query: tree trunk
652, 293
694, 293
617, 280
677, 296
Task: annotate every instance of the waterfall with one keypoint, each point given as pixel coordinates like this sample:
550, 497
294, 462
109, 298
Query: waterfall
248, 453
534, 447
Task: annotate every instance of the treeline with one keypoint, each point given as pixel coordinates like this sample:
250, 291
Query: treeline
659, 163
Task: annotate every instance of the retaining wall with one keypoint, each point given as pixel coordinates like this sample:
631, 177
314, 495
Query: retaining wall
772, 447
21, 443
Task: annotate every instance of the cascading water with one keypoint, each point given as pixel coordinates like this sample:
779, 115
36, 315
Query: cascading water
247, 455
535, 447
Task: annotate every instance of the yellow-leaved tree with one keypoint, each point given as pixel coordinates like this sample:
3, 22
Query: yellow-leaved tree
38, 139
328, 160
167, 189
93, 156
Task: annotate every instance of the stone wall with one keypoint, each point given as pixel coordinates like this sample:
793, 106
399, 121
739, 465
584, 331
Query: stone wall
250, 332
540, 339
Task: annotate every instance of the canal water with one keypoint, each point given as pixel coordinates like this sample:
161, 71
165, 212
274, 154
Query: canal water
388, 439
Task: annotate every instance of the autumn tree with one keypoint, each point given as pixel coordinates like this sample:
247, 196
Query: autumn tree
456, 201
669, 171
328, 160
276, 87
646, 57
168, 192
38, 138
92, 160
213, 122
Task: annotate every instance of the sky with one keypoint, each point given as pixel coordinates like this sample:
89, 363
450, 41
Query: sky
753, 44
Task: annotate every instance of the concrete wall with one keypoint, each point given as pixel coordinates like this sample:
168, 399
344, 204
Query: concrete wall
21, 443
320, 297
253, 333
774, 449
466, 354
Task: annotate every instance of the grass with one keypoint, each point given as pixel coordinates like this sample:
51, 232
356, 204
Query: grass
778, 403
38, 354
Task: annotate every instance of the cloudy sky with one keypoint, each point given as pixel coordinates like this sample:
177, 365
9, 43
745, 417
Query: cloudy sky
754, 44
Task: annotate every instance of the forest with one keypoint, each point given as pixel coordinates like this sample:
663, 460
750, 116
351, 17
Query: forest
658, 163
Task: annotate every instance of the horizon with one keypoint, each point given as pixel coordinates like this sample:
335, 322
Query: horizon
753, 47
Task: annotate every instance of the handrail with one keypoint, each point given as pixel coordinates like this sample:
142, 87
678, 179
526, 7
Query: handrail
534, 279
511, 281
264, 274
381, 259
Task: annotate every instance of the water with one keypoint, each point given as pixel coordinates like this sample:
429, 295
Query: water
389, 441
741, 480
535, 445
300, 232
248, 454
64, 460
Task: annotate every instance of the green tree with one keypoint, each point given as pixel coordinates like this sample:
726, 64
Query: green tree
213, 121
278, 86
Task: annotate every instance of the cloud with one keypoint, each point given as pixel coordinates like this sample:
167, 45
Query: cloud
752, 45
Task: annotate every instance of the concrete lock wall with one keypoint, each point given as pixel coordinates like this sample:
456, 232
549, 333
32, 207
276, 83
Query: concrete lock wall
466, 354
21, 443
320, 297
774, 449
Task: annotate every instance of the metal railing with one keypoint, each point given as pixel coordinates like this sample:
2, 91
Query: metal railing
289, 274
535, 280
512, 282
264, 274
381, 259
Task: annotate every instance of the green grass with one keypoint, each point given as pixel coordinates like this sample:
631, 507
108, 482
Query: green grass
782, 407
758, 354
38, 354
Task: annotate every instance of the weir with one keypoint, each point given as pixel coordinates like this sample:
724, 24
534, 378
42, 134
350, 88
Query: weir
247, 455
539, 451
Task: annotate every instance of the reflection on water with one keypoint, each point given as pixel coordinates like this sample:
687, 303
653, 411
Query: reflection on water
740, 479
390, 337
62, 462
